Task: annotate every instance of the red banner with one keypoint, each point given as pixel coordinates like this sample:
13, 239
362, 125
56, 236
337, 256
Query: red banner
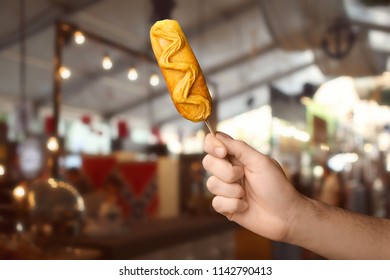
123, 130
97, 168
142, 180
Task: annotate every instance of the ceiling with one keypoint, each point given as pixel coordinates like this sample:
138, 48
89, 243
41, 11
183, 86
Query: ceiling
243, 47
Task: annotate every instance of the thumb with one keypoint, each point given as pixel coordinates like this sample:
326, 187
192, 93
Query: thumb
240, 150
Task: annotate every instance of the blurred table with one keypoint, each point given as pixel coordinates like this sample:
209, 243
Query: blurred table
145, 237
73, 253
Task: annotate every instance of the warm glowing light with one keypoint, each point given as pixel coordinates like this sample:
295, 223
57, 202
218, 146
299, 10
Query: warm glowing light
133, 74
288, 131
52, 183
386, 76
368, 148
175, 147
154, 80
352, 157
324, 147
384, 141
328, 95
19, 227
19, 192
318, 171
200, 134
107, 62
2, 170
339, 161
79, 38
31, 199
65, 72
52, 144
305, 100
302, 136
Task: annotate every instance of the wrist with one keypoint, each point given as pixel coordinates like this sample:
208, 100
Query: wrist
301, 217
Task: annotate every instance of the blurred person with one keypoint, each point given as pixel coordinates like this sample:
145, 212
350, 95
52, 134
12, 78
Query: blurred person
197, 203
252, 190
332, 189
116, 195
108, 207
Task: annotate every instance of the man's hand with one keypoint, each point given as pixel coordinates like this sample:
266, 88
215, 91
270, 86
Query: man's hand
251, 189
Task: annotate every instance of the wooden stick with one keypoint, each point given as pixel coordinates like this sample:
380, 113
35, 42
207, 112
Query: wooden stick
209, 127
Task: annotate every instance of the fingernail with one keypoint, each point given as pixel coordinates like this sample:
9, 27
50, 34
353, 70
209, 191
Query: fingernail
220, 151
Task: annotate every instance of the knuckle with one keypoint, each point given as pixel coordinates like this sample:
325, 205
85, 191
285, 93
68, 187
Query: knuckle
235, 207
241, 144
206, 161
229, 177
211, 184
234, 175
216, 203
240, 192
239, 206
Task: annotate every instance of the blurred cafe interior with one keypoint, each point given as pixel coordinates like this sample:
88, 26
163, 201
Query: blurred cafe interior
96, 163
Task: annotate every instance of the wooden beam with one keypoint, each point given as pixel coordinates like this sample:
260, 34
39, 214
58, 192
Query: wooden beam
44, 20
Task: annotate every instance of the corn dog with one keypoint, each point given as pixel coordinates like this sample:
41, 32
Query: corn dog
181, 71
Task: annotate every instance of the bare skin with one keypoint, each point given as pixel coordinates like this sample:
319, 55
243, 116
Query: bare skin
252, 190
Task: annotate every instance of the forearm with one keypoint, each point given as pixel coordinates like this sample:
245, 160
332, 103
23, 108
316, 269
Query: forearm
335, 233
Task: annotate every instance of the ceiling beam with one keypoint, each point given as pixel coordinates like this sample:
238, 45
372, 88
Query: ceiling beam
267, 80
370, 25
247, 88
44, 20
221, 18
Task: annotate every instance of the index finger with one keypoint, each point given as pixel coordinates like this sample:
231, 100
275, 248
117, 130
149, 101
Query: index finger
214, 146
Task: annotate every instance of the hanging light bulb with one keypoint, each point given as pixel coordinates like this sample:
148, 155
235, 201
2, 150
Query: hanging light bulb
132, 74
65, 72
19, 192
19, 227
154, 80
107, 62
2, 170
79, 38
52, 144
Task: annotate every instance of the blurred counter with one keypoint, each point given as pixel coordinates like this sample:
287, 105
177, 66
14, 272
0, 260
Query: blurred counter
173, 238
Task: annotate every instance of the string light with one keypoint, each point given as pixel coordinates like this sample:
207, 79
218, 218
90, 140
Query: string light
154, 80
65, 72
19, 227
52, 144
318, 171
2, 170
132, 74
106, 62
19, 192
79, 38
